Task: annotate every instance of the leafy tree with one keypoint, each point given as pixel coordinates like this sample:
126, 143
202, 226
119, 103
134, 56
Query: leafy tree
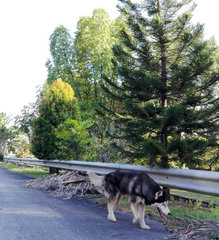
7, 135
57, 104
62, 62
22, 146
101, 150
74, 143
82, 64
93, 43
28, 113
167, 77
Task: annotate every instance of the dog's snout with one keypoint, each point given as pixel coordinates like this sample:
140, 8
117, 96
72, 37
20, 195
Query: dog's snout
169, 214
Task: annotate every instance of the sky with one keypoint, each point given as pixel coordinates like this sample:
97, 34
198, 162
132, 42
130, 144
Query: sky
25, 28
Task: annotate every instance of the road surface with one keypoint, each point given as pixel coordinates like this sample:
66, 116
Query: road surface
27, 214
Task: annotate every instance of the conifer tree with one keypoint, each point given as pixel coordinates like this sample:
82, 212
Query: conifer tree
57, 104
166, 79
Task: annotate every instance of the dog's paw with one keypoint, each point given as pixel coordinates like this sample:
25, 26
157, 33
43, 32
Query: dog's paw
145, 226
134, 220
111, 218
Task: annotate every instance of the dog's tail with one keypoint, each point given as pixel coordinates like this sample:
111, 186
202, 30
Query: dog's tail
95, 179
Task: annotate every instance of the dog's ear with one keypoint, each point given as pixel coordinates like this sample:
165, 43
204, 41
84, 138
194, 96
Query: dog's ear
158, 194
166, 192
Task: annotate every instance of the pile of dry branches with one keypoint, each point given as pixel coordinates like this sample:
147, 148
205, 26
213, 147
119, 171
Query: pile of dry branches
195, 230
65, 185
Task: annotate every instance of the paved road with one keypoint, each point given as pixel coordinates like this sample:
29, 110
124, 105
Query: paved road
27, 214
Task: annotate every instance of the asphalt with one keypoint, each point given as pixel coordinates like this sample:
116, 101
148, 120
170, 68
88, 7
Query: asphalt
27, 214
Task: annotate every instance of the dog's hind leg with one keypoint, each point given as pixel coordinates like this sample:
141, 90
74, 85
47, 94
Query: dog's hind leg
112, 203
118, 198
141, 211
135, 212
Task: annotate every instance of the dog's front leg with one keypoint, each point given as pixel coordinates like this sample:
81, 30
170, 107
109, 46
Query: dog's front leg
141, 210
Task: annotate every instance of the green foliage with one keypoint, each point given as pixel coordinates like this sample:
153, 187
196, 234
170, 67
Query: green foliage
74, 143
23, 121
61, 49
93, 44
7, 135
101, 149
167, 76
160, 100
40, 172
22, 146
58, 103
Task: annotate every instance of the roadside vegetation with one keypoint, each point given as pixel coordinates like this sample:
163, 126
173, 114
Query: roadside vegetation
39, 172
178, 210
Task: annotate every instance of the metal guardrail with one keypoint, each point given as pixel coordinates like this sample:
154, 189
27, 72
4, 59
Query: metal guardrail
199, 181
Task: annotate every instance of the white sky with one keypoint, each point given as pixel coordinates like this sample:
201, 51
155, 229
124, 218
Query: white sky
25, 28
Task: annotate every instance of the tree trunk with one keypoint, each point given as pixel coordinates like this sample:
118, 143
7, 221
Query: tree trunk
164, 103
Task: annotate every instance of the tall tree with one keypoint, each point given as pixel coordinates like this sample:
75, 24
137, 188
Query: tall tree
62, 62
57, 104
93, 43
167, 75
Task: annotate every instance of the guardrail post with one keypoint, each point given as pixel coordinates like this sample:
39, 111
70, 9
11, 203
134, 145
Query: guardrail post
53, 170
25, 165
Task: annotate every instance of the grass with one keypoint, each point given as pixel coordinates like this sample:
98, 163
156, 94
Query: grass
178, 210
197, 196
39, 172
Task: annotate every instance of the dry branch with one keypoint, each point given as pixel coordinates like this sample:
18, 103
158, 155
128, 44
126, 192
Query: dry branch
196, 230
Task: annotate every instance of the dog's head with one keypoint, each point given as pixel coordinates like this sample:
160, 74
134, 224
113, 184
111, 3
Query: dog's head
161, 201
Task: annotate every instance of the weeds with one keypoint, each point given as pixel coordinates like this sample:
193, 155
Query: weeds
39, 172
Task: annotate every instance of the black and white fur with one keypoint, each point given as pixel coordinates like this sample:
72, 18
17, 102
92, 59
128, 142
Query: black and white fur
140, 189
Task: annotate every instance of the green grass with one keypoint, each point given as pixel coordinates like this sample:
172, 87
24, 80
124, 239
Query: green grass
197, 196
178, 210
29, 171
193, 211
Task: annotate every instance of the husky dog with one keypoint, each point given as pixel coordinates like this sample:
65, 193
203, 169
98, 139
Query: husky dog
140, 189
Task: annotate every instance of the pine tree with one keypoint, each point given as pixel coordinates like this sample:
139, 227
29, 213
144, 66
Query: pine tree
166, 79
